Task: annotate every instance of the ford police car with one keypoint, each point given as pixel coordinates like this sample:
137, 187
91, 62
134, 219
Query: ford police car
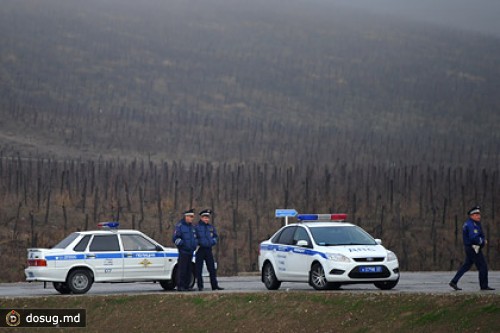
108, 255
326, 253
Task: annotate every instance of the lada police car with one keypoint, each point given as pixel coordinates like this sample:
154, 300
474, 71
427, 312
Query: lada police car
107, 255
327, 254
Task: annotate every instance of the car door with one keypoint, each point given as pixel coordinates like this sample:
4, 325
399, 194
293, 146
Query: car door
105, 257
282, 252
143, 259
300, 257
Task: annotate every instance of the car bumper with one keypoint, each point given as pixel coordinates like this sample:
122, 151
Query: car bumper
361, 272
44, 274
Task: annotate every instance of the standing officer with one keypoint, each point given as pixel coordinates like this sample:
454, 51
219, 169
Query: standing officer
186, 241
207, 237
474, 241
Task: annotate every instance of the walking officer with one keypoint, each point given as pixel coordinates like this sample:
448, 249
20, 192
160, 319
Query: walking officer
474, 242
186, 241
207, 238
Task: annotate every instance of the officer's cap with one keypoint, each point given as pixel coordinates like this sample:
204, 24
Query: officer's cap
206, 212
189, 212
474, 210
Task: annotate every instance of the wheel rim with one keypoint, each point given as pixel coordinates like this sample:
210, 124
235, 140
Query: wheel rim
80, 281
269, 275
318, 277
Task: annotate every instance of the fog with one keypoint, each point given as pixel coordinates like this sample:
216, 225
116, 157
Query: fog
478, 15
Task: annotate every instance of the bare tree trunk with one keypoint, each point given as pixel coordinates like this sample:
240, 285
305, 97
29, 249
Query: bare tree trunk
47, 209
33, 235
160, 213
96, 200
65, 215
16, 222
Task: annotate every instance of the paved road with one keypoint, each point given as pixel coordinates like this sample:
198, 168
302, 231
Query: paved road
410, 282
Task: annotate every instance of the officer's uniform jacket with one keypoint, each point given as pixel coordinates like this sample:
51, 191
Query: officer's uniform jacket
473, 233
207, 234
185, 237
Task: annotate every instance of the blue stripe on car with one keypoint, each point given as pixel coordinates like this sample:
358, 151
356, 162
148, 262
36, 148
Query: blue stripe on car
112, 255
287, 248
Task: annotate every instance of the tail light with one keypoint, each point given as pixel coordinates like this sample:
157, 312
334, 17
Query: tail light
37, 262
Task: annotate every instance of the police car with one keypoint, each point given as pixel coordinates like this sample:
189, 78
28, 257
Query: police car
327, 253
107, 255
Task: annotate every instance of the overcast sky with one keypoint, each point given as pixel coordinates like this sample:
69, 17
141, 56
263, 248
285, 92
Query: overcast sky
473, 15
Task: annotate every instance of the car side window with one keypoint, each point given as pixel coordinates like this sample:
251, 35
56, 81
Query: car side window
286, 236
137, 243
301, 234
82, 244
103, 243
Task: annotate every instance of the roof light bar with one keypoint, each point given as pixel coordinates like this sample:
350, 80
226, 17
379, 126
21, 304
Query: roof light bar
108, 225
322, 217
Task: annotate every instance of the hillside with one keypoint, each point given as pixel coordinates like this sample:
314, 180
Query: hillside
136, 111
235, 81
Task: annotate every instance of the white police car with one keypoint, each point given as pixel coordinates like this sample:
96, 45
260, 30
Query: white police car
108, 255
326, 254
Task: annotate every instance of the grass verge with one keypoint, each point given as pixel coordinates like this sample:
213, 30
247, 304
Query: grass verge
276, 312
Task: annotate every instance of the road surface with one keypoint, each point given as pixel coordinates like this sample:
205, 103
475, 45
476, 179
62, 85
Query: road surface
410, 282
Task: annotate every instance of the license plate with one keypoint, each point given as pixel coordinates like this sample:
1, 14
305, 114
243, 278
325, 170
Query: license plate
370, 269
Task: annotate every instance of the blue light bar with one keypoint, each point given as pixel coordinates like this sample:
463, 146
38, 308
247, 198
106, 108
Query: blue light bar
307, 217
108, 225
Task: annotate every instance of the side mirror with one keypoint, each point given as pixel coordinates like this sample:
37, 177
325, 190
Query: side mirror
302, 243
159, 248
379, 241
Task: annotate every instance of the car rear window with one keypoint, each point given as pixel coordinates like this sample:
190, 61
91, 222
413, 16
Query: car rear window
82, 244
66, 241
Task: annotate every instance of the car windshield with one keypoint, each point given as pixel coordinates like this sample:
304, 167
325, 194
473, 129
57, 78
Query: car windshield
66, 241
344, 235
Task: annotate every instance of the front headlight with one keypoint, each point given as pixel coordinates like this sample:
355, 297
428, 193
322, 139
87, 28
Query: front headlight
391, 256
337, 257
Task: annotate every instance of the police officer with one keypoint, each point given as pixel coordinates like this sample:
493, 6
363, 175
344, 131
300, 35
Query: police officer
207, 237
474, 242
186, 241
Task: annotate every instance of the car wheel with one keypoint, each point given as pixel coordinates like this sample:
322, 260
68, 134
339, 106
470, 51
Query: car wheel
269, 277
79, 281
386, 285
167, 284
172, 283
61, 287
318, 278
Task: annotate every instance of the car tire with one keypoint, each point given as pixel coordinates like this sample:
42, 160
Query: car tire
193, 278
61, 287
167, 284
318, 278
79, 281
269, 277
172, 283
386, 285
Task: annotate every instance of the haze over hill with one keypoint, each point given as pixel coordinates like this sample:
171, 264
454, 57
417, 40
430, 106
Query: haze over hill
244, 107
221, 80
479, 15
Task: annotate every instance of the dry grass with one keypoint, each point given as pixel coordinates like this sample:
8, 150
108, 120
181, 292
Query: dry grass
278, 312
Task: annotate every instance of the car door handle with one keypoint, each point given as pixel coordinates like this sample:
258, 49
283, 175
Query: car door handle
128, 255
90, 255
